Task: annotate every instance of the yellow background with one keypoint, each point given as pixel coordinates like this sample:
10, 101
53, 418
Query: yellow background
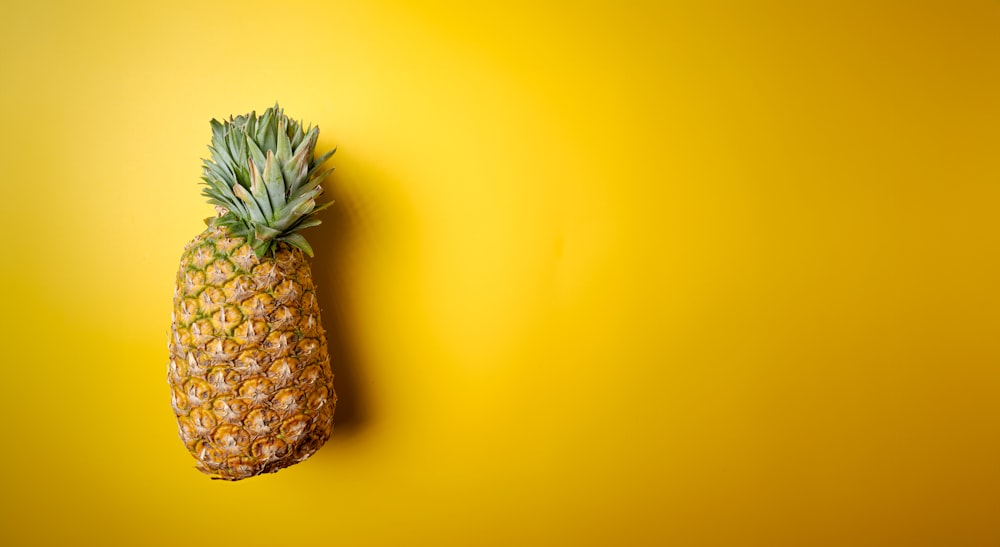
599, 273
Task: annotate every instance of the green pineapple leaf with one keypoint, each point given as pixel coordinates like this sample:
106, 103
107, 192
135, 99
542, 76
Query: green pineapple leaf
296, 240
265, 173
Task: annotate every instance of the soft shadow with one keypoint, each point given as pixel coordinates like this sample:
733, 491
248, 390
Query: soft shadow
333, 241
370, 226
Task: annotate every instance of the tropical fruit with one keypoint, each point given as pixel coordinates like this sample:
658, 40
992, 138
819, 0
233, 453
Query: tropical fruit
249, 372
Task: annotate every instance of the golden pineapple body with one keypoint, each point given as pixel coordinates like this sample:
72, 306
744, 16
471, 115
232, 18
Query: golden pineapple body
249, 369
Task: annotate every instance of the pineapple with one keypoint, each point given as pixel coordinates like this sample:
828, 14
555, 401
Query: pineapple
249, 370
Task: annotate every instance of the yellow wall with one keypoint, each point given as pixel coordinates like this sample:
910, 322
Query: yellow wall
599, 273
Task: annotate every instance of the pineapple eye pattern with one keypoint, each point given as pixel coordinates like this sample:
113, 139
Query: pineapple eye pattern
317, 398
283, 370
294, 427
257, 390
269, 447
286, 401
202, 420
229, 410
197, 391
230, 438
261, 420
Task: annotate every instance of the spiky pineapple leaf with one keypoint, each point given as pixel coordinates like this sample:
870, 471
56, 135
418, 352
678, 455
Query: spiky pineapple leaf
265, 233
284, 145
256, 154
274, 181
264, 172
303, 223
296, 240
322, 159
253, 208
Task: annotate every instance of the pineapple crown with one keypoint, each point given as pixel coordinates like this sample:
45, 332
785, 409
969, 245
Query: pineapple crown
263, 174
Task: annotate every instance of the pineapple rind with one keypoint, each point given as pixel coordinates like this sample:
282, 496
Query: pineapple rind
249, 369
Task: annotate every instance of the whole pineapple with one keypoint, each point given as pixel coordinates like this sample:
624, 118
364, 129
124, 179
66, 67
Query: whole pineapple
249, 369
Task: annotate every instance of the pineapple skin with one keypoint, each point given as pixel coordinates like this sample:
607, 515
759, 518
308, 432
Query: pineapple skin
249, 371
